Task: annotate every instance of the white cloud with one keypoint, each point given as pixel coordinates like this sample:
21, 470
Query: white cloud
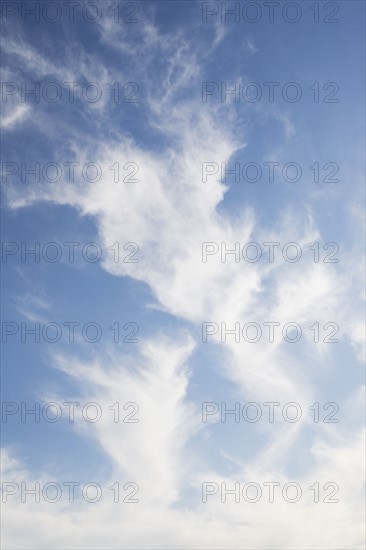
15, 117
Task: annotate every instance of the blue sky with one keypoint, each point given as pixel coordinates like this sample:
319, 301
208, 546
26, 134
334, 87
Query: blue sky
163, 60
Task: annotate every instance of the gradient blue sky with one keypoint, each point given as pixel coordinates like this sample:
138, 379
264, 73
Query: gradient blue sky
169, 132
